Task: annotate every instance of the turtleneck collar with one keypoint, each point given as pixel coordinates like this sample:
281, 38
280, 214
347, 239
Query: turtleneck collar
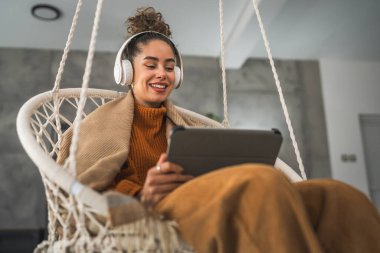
150, 116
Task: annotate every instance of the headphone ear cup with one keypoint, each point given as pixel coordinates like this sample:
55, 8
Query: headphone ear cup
117, 73
177, 73
127, 73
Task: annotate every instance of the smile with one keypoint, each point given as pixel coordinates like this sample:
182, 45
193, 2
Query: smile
158, 86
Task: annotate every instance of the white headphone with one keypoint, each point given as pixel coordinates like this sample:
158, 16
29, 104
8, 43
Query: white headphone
123, 69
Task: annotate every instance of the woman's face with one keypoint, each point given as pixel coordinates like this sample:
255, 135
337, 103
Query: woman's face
153, 73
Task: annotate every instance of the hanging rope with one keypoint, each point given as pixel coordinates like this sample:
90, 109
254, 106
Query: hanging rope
82, 100
278, 85
61, 68
225, 122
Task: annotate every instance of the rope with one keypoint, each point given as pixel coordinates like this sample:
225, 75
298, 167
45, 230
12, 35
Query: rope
82, 100
225, 122
278, 85
61, 68
67, 47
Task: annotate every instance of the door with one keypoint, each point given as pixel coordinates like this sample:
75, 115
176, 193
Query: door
370, 128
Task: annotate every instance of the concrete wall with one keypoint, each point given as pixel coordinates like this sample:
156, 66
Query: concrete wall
253, 103
349, 89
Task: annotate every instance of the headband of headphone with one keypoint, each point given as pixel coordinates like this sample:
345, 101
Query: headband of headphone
123, 69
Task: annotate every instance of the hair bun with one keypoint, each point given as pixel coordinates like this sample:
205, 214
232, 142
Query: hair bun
147, 19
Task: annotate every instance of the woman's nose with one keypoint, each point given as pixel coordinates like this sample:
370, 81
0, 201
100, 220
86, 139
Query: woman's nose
161, 73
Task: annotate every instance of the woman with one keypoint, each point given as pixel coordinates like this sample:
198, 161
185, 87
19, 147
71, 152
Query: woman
245, 208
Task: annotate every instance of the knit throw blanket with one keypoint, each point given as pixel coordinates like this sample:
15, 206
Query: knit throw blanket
104, 139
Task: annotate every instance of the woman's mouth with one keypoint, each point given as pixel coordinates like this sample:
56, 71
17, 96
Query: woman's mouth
158, 87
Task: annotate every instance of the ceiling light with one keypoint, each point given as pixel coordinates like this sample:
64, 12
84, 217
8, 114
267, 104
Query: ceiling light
45, 12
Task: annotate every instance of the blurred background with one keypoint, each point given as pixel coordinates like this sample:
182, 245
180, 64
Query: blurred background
327, 54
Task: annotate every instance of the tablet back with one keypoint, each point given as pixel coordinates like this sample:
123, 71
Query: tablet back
200, 150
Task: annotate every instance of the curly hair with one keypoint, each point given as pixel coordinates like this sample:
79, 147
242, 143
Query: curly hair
147, 19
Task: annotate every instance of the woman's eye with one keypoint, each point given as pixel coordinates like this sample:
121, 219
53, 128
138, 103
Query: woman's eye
169, 68
150, 66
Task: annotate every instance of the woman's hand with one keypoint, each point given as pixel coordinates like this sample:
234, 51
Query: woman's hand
161, 180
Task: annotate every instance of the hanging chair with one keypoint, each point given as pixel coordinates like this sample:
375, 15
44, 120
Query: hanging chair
81, 219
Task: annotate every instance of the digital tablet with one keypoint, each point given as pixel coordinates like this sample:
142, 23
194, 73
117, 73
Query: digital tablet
201, 150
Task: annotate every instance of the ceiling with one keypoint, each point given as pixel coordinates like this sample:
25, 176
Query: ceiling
297, 29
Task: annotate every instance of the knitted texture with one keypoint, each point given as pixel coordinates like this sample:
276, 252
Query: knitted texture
147, 142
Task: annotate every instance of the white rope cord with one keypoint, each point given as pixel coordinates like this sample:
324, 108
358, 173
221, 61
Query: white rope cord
278, 85
61, 68
225, 122
82, 100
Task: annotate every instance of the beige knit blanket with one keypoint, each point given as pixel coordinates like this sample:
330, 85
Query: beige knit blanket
104, 139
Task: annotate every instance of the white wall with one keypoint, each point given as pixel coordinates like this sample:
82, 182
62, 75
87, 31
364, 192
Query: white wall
349, 88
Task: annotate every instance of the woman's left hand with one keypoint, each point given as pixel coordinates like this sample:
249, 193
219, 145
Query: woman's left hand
161, 180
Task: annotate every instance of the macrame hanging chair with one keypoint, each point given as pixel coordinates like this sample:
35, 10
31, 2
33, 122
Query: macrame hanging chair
79, 217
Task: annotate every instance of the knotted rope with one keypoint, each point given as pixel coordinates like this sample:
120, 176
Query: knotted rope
279, 89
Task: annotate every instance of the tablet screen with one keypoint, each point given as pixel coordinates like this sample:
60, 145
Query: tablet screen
201, 150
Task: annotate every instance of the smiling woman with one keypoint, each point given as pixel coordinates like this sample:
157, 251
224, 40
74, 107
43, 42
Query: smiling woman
243, 208
153, 73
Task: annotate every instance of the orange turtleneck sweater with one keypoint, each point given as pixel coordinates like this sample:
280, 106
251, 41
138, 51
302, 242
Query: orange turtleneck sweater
147, 143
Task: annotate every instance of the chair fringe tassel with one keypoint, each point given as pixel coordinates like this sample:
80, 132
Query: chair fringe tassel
150, 234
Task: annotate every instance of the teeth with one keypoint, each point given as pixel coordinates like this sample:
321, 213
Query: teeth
158, 86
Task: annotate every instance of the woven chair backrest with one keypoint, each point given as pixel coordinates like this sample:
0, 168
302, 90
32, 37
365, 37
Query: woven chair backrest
45, 126
40, 125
